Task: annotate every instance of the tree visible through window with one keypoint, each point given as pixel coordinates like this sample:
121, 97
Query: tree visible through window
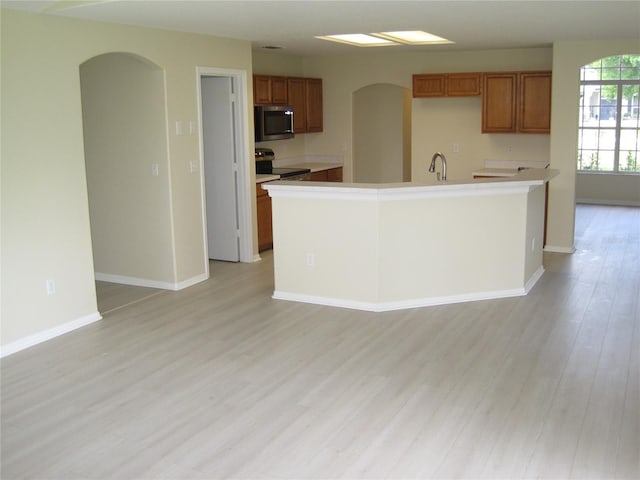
608, 128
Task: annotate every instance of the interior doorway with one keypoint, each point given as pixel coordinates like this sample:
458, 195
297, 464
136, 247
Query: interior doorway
225, 180
220, 168
127, 169
382, 134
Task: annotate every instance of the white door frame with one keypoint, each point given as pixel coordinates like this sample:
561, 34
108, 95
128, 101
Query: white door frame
245, 191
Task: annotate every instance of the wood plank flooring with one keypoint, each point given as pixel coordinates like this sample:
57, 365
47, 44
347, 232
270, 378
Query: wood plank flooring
112, 296
220, 381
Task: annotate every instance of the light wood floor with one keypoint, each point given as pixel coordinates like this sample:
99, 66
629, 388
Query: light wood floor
221, 381
112, 296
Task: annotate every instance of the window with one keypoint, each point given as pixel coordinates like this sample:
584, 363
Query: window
609, 122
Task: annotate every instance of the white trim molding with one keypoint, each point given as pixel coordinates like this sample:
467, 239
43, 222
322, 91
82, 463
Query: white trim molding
45, 335
558, 249
615, 203
145, 282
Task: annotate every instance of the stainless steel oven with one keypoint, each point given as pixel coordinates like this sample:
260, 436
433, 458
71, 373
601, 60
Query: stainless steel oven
264, 165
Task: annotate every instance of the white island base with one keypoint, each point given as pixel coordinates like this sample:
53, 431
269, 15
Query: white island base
381, 247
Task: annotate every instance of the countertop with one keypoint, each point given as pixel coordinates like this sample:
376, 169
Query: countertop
524, 179
495, 172
508, 168
313, 166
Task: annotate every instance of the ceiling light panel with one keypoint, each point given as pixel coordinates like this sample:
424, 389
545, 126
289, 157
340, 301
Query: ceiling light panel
413, 37
359, 40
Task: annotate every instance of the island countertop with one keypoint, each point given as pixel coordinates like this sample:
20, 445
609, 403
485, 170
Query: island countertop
522, 179
404, 245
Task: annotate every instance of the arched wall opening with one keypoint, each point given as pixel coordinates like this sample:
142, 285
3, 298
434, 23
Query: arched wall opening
382, 134
608, 149
128, 176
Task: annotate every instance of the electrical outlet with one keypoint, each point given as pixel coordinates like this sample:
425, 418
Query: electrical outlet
533, 244
51, 287
456, 148
155, 169
194, 167
179, 127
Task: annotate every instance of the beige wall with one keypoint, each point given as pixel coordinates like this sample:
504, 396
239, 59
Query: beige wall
608, 189
568, 57
45, 215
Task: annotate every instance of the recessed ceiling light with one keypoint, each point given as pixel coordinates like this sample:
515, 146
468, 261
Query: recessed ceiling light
413, 37
385, 39
272, 47
359, 40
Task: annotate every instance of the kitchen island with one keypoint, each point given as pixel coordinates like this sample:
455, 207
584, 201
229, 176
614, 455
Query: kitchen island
381, 247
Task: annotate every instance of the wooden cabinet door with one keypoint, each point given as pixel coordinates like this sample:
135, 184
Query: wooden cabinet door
265, 226
320, 176
534, 115
499, 102
279, 90
464, 84
334, 174
269, 90
429, 85
296, 93
261, 89
314, 104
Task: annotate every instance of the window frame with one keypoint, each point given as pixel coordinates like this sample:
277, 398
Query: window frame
617, 129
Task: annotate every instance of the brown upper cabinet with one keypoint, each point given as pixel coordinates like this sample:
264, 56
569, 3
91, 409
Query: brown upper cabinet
516, 102
447, 85
296, 90
314, 104
303, 94
534, 115
269, 90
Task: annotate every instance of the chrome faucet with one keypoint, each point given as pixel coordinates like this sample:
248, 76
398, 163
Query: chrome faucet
432, 167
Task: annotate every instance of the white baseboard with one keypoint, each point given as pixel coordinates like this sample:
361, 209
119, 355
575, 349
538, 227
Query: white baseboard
615, 203
397, 305
48, 334
557, 249
190, 282
411, 303
534, 279
145, 282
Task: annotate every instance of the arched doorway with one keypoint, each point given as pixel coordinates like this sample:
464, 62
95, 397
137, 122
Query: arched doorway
382, 134
609, 131
127, 167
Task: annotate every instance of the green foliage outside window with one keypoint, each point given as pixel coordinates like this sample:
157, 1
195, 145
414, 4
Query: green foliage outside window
620, 67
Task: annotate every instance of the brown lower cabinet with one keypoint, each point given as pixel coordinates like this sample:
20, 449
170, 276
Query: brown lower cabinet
265, 227
330, 175
263, 205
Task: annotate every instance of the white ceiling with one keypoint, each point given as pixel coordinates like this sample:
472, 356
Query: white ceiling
292, 24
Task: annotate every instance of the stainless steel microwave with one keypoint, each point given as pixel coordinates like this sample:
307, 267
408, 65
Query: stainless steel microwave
273, 122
